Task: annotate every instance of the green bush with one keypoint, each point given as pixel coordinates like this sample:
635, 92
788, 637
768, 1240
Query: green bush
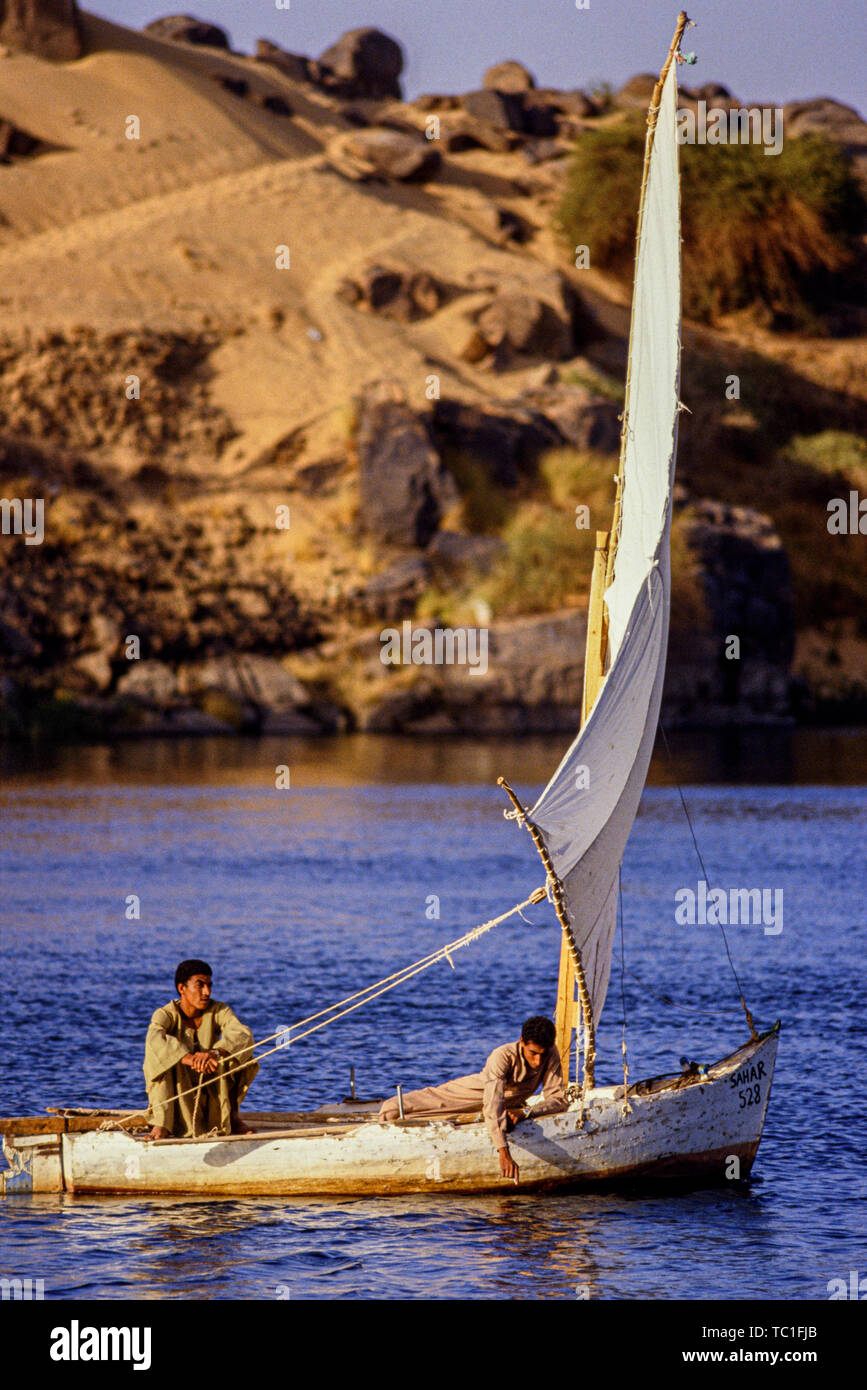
779, 233
596, 381
574, 477
547, 564
833, 453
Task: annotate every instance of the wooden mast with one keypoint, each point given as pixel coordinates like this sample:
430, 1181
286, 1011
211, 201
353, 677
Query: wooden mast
567, 1008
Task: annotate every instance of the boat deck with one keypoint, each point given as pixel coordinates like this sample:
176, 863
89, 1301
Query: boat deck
261, 1124
338, 1117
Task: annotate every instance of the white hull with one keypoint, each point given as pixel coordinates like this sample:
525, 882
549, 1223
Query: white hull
691, 1131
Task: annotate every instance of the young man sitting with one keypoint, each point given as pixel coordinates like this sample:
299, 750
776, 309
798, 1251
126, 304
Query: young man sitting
193, 1042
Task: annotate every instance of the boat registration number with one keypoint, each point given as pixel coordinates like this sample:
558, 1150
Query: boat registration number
748, 1084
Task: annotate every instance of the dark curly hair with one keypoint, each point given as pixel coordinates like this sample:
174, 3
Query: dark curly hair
538, 1030
191, 967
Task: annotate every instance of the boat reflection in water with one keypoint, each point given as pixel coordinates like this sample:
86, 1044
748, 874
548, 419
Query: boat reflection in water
589, 1246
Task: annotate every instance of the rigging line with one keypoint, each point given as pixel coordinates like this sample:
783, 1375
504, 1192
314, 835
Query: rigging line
666, 999
404, 973
371, 992
626, 1106
704, 871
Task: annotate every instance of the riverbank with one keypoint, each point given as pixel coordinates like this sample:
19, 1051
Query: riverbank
226, 476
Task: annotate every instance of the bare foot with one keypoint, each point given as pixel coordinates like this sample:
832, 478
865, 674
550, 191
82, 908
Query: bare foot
238, 1126
158, 1133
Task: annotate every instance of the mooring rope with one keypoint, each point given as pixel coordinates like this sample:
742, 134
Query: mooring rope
362, 996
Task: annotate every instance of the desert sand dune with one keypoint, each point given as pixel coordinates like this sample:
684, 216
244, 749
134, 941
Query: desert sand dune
192, 129
181, 228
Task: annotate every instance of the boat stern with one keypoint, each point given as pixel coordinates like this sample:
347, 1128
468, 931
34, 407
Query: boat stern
35, 1165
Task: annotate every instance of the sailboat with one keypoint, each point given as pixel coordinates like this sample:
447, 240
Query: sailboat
703, 1123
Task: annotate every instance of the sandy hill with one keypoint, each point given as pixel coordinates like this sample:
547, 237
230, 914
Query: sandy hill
287, 265
180, 228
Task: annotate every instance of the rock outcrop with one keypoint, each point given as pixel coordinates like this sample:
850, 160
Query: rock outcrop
47, 28
509, 76
501, 110
395, 292
383, 154
404, 488
739, 664
836, 122
509, 677
392, 595
163, 406
522, 325
164, 445
827, 117
363, 63
507, 437
585, 421
637, 91
746, 576
519, 112
185, 28
463, 133
293, 65
17, 144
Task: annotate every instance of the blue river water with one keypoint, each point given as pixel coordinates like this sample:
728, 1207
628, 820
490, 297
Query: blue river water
299, 895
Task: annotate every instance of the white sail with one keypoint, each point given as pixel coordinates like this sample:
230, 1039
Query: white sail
586, 817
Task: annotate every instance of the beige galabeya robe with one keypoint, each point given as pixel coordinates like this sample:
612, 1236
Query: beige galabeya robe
170, 1037
506, 1082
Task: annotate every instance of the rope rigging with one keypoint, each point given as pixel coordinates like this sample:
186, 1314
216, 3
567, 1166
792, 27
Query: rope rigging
355, 1001
749, 1017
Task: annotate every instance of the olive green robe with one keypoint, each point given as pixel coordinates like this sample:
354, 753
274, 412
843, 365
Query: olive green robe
170, 1037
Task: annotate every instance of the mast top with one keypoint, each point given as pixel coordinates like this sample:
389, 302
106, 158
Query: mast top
683, 20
